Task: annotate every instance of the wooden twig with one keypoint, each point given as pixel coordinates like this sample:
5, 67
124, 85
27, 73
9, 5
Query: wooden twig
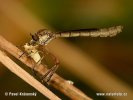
56, 81
12, 66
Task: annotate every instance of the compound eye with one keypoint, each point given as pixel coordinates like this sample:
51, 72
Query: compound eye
35, 37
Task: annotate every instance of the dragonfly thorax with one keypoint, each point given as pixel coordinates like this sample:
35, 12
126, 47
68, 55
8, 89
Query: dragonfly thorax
30, 48
32, 52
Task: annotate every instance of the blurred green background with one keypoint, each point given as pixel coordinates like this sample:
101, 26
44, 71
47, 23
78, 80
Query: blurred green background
20, 17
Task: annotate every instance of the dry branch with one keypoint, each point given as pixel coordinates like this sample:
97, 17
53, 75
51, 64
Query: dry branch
56, 81
12, 66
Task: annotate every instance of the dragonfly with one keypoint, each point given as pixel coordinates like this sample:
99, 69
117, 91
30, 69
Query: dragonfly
42, 38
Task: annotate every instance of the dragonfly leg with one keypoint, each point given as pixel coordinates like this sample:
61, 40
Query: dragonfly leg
21, 54
49, 74
46, 78
19, 46
36, 64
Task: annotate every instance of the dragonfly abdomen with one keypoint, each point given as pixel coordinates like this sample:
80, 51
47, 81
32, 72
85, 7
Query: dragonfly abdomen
102, 32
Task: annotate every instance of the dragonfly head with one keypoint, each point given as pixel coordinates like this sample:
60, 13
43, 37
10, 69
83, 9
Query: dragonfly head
44, 36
